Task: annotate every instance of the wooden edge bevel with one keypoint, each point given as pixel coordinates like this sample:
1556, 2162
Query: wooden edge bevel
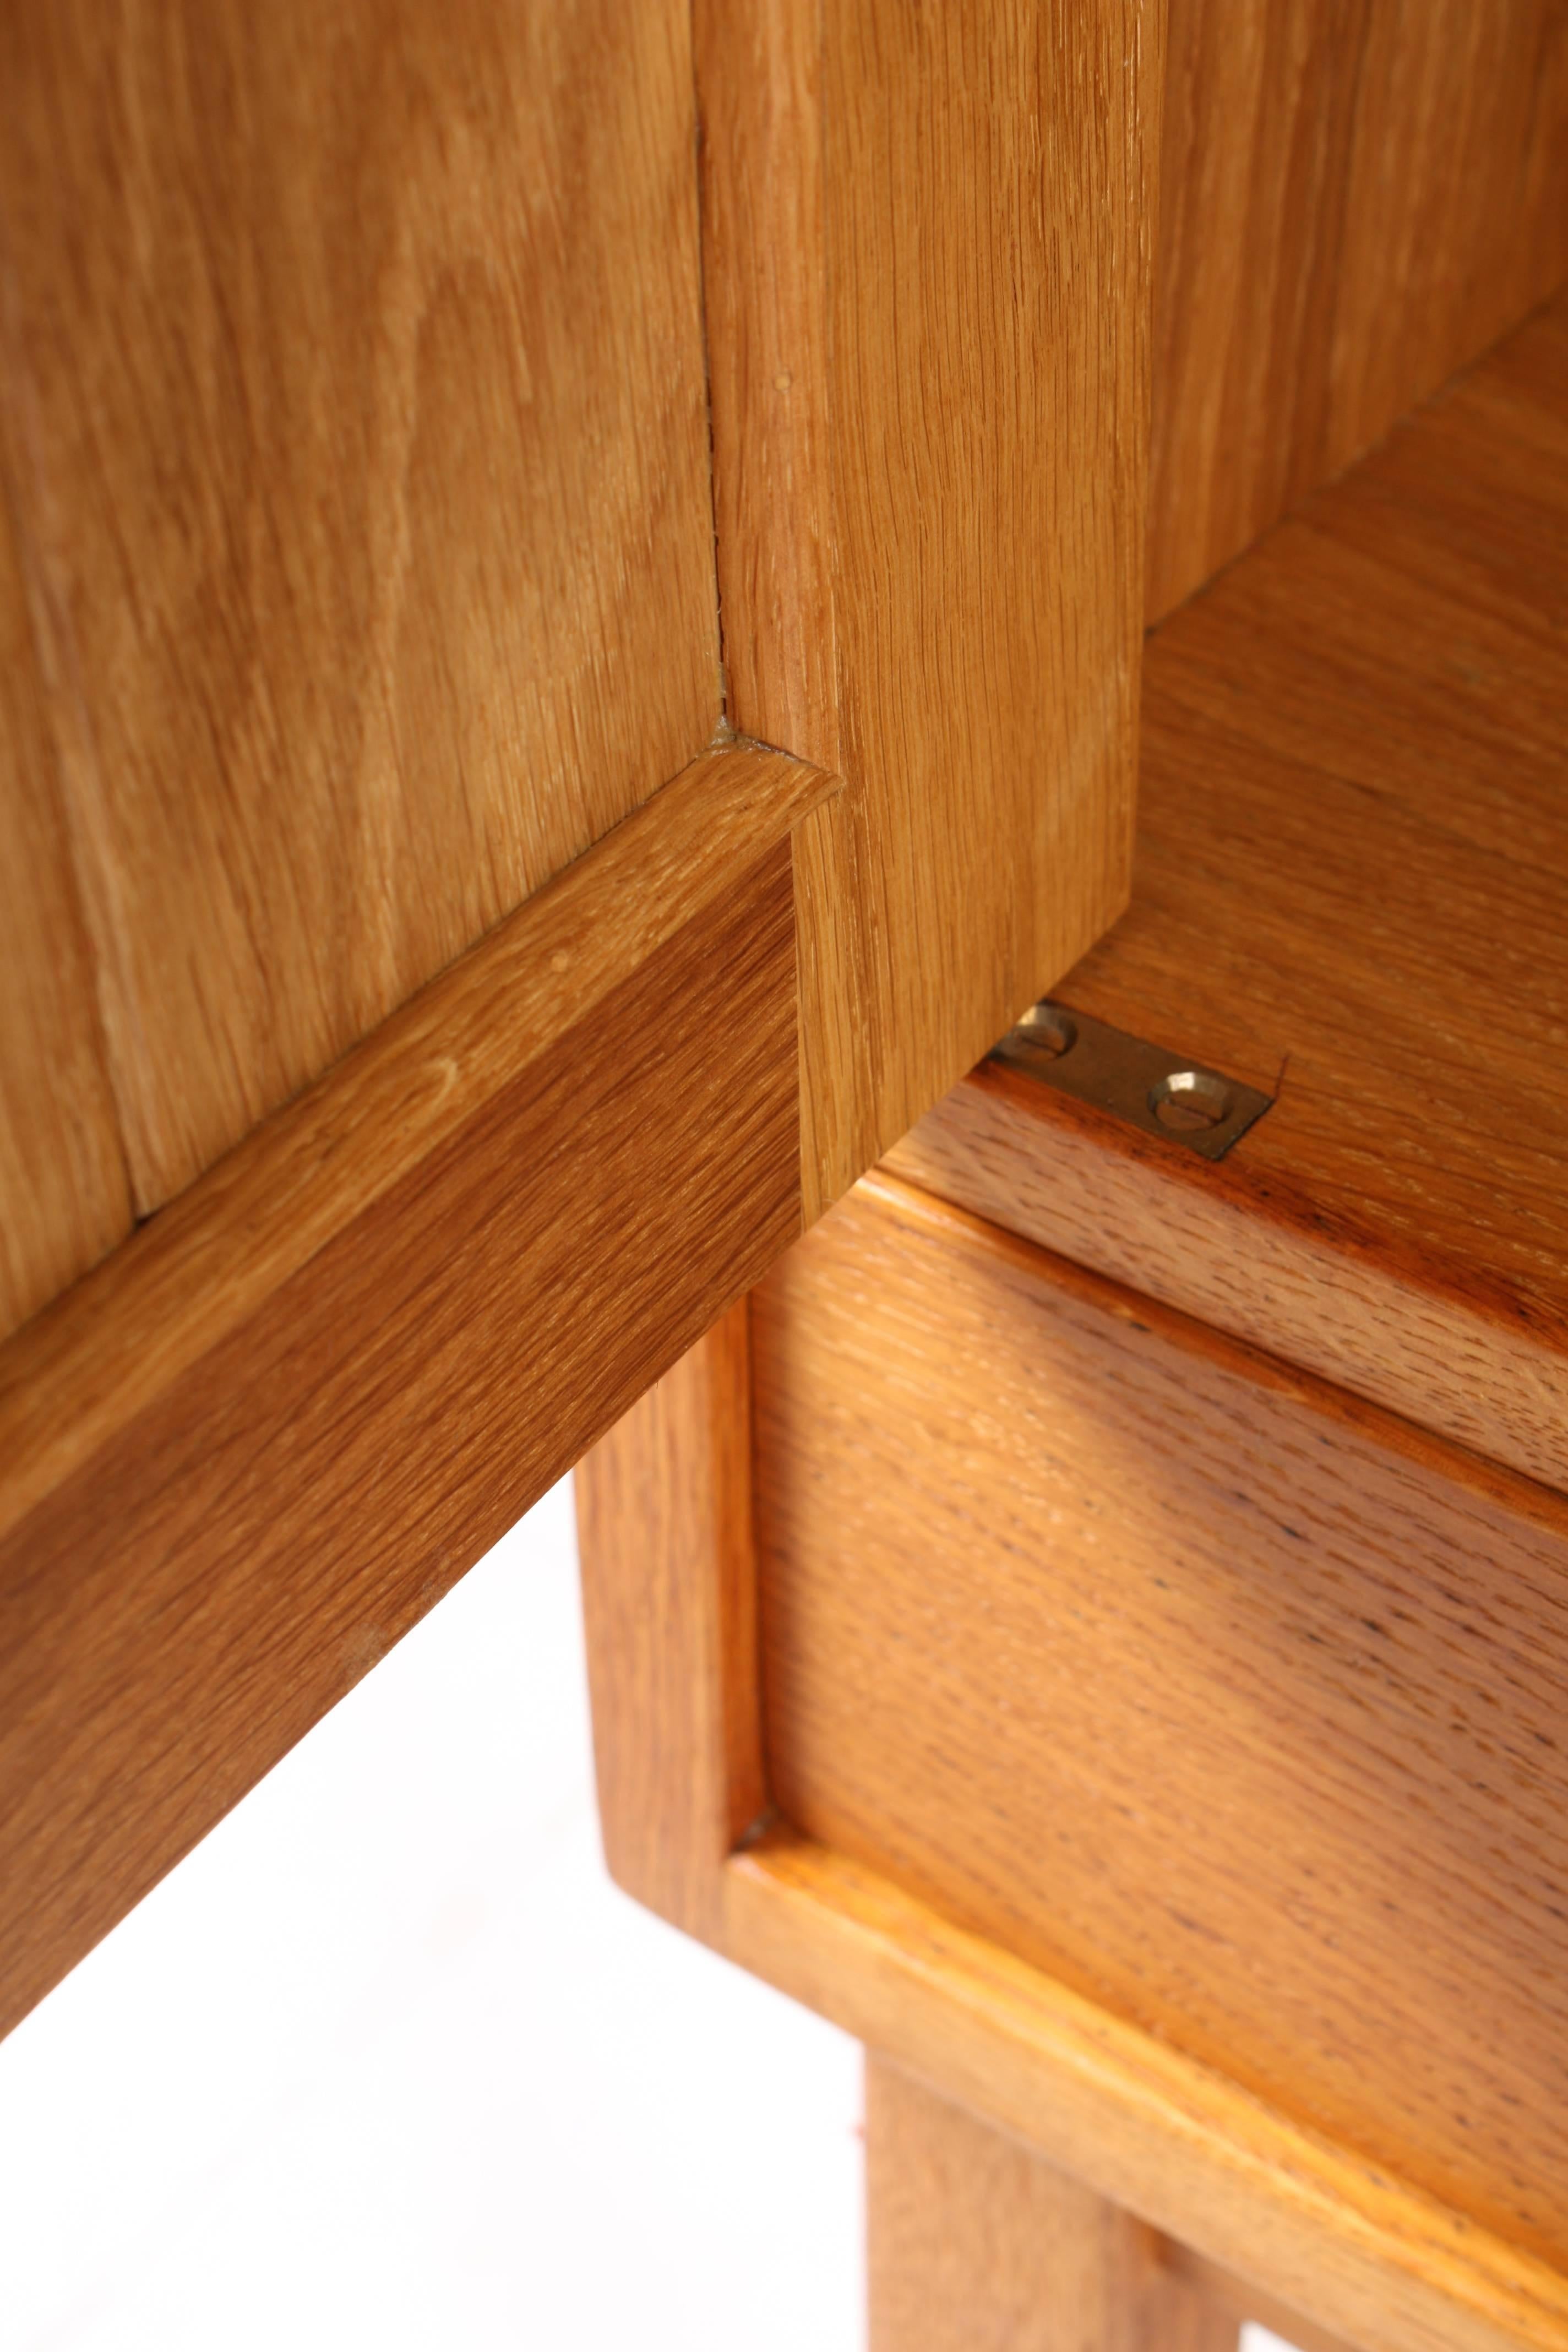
1531, 1499
670, 1598
1249, 1260
759, 74
195, 1273
764, 277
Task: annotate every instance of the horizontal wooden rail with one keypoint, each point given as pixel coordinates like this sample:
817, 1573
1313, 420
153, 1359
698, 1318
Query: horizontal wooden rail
247, 1451
1145, 2125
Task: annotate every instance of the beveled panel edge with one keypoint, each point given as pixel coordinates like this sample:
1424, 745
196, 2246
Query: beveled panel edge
1248, 1258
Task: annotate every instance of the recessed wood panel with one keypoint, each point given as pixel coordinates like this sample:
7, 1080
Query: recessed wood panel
354, 360
1356, 197
1231, 1704
1275, 2220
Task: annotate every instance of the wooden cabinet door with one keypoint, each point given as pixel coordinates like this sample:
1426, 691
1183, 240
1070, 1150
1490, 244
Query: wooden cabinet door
572, 590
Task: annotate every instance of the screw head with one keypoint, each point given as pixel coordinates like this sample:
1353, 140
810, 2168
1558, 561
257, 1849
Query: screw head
1190, 1099
1047, 1031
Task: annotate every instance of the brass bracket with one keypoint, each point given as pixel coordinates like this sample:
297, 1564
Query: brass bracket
1177, 1100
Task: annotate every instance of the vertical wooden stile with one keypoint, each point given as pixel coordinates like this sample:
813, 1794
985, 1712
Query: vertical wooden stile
664, 1518
927, 263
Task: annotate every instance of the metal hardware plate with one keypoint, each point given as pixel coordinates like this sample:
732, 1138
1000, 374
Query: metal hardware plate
1179, 1101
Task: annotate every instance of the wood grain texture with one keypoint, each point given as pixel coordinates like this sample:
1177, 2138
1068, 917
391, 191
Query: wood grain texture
974, 2244
765, 284
927, 256
241, 1458
1230, 1702
664, 1523
1355, 199
1353, 891
64, 1198
356, 362
1273, 2220
1357, 2251
194, 1275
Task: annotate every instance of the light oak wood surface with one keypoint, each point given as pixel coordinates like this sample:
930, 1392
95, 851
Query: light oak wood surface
77, 1377
927, 256
1231, 1701
241, 1458
1351, 890
64, 1197
1163, 1744
974, 2244
354, 451
372, 592
1356, 197
354, 411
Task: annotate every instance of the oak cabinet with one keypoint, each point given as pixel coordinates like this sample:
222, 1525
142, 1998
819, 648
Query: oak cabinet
574, 585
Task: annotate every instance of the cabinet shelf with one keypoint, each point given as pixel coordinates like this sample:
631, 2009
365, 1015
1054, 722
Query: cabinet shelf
1351, 892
